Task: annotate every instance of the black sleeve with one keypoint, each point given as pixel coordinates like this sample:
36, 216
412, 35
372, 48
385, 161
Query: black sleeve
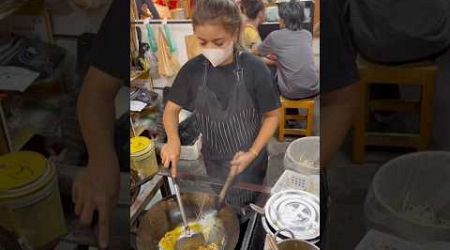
182, 91
266, 97
337, 53
110, 52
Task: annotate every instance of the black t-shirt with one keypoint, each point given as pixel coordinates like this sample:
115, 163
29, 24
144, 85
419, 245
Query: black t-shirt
221, 79
111, 49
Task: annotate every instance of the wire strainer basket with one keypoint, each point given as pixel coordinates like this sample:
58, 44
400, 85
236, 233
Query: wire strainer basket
303, 155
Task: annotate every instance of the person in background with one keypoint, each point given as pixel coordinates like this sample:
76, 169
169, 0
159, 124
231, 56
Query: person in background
147, 9
231, 94
96, 190
296, 73
255, 14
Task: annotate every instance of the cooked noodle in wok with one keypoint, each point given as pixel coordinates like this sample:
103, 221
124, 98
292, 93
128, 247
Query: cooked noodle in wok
207, 226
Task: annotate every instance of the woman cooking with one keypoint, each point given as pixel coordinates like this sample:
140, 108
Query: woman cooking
231, 94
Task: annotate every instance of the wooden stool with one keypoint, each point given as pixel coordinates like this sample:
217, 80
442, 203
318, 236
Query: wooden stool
306, 104
422, 76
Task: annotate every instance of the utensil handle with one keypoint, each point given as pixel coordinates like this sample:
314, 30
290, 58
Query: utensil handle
272, 242
257, 209
285, 230
225, 187
179, 201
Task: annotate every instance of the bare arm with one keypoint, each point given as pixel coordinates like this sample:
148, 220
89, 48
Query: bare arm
268, 128
243, 159
170, 153
269, 62
268, 59
97, 114
338, 111
97, 189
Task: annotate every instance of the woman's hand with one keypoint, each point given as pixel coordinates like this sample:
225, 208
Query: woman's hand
170, 153
241, 161
97, 189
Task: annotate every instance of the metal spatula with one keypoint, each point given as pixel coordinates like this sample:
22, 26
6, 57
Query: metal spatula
188, 240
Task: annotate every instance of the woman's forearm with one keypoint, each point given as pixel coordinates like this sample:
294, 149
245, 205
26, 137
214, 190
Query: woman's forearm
96, 114
170, 120
268, 128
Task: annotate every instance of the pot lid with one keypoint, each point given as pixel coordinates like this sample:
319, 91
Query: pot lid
21, 168
140, 145
295, 210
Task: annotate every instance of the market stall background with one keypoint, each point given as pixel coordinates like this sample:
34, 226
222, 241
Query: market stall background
146, 121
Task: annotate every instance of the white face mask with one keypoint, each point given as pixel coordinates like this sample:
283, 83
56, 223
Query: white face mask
218, 56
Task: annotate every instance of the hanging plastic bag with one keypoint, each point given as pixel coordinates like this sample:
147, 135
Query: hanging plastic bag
192, 46
167, 62
151, 39
151, 57
170, 41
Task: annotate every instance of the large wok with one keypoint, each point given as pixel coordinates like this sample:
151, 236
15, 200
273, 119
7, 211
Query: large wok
165, 216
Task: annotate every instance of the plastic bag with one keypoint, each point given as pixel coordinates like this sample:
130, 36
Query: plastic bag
168, 63
151, 39
170, 41
410, 197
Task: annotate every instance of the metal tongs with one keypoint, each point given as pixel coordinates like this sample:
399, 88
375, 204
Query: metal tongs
189, 239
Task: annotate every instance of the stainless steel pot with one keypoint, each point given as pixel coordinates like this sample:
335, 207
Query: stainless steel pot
294, 210
165, 215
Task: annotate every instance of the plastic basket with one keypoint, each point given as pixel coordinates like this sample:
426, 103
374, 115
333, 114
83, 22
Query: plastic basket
303, 155
292, 180
409, 197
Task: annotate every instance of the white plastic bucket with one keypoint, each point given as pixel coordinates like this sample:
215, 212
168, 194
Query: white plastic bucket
410, 197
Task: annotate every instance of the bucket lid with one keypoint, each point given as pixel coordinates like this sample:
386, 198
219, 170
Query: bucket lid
295, 210
20, 169
140, 144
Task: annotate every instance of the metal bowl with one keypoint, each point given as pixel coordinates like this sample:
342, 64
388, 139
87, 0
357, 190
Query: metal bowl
294, 244
134, 180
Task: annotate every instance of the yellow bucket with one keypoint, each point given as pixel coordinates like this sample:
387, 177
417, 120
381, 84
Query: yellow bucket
143, 156
30, 203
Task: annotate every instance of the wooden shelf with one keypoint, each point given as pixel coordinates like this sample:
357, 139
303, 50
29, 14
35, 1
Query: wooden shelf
135, 74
